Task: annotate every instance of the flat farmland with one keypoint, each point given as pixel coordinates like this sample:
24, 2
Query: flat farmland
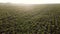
29, 19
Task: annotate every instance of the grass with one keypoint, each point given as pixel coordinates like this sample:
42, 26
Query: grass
36, 19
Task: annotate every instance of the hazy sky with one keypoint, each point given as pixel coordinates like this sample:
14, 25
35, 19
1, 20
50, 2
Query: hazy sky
31, 1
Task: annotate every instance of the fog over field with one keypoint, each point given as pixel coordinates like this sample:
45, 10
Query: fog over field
29, 18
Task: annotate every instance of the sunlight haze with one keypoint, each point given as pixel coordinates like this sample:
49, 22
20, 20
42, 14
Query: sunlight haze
30, 1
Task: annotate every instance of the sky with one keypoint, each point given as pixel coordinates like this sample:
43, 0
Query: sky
30, 1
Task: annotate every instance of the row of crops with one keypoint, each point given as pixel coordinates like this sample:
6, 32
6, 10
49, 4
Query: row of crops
36, 19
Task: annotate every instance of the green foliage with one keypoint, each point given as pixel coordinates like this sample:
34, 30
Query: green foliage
36, 19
